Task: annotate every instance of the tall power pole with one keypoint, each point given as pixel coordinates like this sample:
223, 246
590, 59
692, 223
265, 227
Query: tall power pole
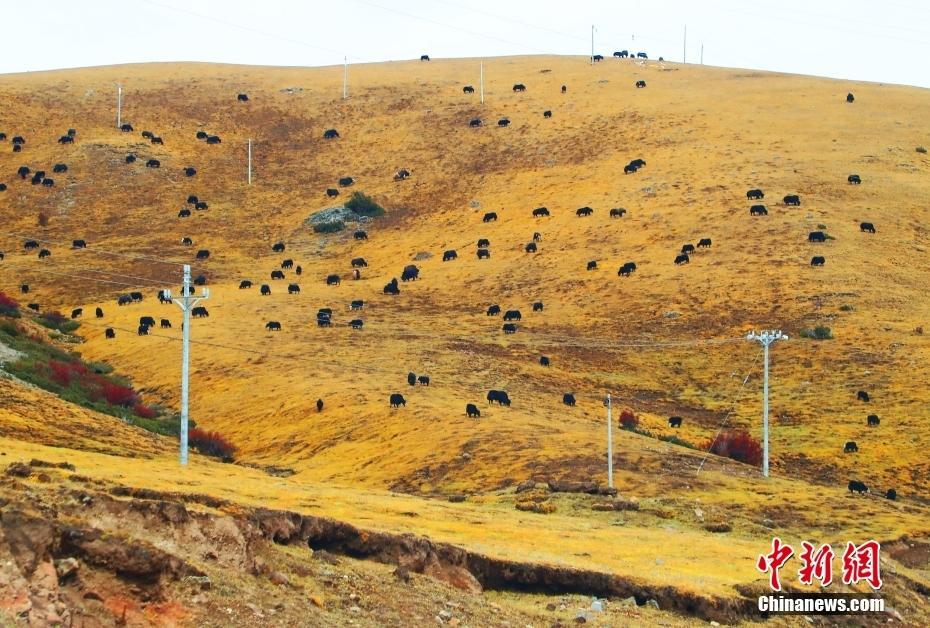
610, 445
592, 44
345, 78
766, 338
250, 162
702, 53
186, 303
119, 105
481, 80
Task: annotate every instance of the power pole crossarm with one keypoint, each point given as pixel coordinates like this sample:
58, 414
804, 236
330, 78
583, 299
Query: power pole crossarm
766, 338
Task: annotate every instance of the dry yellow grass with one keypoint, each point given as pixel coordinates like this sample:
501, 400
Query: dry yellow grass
707, 135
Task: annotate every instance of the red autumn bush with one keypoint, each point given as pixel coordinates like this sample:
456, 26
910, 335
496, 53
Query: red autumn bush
61, 372
211, 444
628, 420
143, 411
738, 445
119, 395
8, 306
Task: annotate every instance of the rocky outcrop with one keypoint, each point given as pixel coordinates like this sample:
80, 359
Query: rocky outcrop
129, 559
473, 572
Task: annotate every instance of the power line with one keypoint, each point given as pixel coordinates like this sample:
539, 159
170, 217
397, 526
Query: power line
144, 280
94, 279
249, 29
95, 250
513, 21
450, 26
781, 18
729, 412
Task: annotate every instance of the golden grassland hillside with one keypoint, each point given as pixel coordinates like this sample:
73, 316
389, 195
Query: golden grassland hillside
665, 341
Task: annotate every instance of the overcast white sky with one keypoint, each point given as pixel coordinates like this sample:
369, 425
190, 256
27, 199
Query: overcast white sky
874, 40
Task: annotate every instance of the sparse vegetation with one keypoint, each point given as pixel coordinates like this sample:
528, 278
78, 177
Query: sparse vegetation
364, 205
846, 307
921, 149
821, 332
738, 445
675, 440
42, 219
101, 368
332, 226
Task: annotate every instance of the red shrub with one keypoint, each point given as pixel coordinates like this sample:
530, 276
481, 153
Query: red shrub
42, 219
628, 420
60, 372
8, 306
119, 395
738, 445
143, 411
211, 443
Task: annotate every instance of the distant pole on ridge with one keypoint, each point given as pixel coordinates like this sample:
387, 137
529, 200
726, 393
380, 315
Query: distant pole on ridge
250, 162
119, 105
345, 78
481, 80
592, 44
702, 54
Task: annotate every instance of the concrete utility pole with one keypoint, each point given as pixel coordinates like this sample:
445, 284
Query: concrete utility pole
119, 105
592, 44
481, 80
766, 338
186, 303
250, 161
345, 78
610, 444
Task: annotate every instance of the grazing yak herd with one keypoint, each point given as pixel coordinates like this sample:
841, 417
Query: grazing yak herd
410, 272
